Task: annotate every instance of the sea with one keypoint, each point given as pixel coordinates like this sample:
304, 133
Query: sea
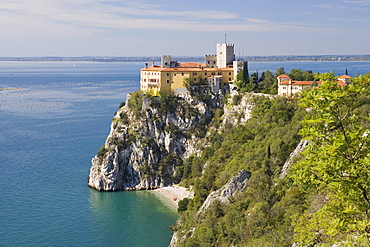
53, 121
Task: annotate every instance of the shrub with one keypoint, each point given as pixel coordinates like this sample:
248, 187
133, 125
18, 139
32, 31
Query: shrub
102, 151
183, 205
122, 104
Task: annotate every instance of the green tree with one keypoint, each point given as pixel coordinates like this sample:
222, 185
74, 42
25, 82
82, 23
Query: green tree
300, 75
280, 71
267, 83
246, 84
336, 165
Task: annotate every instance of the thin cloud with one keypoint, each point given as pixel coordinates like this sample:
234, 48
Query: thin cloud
361, 2
67, 17
338, 7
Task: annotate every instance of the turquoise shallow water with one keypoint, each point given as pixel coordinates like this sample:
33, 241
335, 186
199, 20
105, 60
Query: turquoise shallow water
50, 130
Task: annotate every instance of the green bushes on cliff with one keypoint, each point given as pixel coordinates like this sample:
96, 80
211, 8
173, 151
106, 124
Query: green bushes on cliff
135, 103
324, 201
261, 146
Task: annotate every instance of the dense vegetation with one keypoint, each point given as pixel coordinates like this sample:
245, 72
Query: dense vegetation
267, 82
335, 168
324, 200
261, 214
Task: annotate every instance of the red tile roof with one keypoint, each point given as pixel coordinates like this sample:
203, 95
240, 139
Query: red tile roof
302, 82
190, 65
283, 76
298, 82
195, 69
345, 77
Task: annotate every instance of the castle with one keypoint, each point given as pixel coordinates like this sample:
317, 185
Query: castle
218, 70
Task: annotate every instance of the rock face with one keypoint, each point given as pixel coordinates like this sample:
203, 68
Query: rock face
144, 146
148, 140
300, 147
235, 185
241, 112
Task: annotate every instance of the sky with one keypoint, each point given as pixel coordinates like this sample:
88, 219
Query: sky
183, 27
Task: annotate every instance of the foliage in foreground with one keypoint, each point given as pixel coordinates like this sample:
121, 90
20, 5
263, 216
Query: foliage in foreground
336, 166
325, 199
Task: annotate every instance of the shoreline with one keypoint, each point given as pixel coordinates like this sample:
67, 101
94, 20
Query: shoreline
171, 195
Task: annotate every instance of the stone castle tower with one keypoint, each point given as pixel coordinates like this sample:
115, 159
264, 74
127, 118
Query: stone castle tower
225, 55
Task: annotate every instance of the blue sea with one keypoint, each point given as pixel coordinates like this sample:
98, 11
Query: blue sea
51, 127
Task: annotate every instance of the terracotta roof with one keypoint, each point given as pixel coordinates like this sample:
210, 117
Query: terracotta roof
345, 77
284, 83
196, 69
302, 82
299, 82
190, 65
153, 68
283, 76
342, 84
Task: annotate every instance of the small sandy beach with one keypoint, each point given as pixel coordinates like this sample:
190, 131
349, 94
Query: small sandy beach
173, 194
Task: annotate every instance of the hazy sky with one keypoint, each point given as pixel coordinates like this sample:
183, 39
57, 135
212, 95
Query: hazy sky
183, 27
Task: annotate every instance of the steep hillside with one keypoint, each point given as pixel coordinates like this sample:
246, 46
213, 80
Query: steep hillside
265, 170
258, 212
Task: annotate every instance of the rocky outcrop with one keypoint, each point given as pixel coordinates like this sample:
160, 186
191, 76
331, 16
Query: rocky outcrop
300, 147
144, 146
224, 195
236, 184
239, 108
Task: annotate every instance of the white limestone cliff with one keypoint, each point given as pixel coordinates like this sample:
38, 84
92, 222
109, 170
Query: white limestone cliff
136, 147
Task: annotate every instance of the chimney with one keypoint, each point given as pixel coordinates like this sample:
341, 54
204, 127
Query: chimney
146, 65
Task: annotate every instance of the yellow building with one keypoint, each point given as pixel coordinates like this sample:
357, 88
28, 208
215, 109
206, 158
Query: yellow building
218, 70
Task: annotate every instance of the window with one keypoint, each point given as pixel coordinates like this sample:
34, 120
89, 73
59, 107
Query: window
168, 81
182, 74
213, 73
168, 74
229, 73
144, 80
194, 73
174, 74
205, 73
219, 73
195, 79
284, 87
229, 79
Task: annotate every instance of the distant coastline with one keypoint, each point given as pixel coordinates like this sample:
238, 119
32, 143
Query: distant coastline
317, 58
10, 88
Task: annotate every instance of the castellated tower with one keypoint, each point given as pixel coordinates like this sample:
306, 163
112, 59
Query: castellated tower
225, 55
166, 61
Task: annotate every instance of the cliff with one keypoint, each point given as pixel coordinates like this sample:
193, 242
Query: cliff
230, 150
148, 139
